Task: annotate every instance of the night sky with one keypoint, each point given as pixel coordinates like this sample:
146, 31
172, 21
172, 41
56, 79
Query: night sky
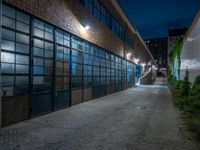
153, 17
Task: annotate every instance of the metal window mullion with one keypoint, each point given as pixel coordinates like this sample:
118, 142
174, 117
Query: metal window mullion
70, 71
82, 77
14, 52
30, 65
54, 71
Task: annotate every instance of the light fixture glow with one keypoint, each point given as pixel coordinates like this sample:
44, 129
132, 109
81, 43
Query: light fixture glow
143, 65
128, 55
87, 27
136, 60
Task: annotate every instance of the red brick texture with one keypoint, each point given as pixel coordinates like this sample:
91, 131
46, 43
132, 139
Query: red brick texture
68, 15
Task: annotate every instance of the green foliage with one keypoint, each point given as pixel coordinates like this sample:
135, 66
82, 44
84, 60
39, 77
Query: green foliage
195, 91
188, 100
192, 121
195, 95
185, 85
170, 78
176, 53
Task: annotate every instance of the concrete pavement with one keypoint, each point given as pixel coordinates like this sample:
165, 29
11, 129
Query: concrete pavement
141, 118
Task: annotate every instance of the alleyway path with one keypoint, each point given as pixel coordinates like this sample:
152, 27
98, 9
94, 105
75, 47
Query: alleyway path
141, 118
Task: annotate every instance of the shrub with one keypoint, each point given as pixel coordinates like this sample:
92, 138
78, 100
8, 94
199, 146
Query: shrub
188, 100
195, 91
194, 96
185, 85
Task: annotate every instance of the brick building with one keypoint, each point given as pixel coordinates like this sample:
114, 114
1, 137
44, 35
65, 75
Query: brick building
158, 48
58, 53
174, 35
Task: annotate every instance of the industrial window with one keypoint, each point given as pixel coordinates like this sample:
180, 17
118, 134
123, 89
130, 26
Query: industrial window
113, 25
103, 76
87, 48
90, 66
43, 30
96, 60
62, 38
14, 52
96, 75
62, 60
87, 59
130, 72
103, 15
77, 44
77, 56
108, 76
97, 9
77, 71
89, 5
77, 62
43, 50
117, 29
130, 41
87, 73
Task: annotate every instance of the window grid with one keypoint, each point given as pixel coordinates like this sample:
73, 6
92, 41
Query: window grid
15, 52
62, 60
90, 66
103, 15
43, 51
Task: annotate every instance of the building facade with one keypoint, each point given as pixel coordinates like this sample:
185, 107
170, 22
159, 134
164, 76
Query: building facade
55, 54
190, 53
174, 35
158, 48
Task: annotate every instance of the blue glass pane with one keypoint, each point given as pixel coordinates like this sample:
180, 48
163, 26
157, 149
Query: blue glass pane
38, 70
8, 22
22, 69
8, 45
7, 68
22, 48
8, 11
23, 17
8, 34
59, 56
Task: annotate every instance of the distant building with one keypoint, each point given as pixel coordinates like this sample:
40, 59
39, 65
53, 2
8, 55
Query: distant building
175, 35
158, 48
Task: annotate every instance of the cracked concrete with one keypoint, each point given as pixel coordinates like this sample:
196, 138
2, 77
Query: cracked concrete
142, 118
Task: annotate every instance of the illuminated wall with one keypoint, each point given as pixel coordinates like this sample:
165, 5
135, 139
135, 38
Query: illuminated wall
190, 56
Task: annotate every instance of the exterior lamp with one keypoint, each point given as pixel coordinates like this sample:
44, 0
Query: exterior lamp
128, 55
87, 27
85, 24
136, 60
143, 65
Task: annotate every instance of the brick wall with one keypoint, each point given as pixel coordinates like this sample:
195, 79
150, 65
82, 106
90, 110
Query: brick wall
68, 15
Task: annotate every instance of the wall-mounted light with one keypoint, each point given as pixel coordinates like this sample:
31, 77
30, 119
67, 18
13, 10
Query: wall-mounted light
85, 24
128, 55
136, 60
143, 65
87, 27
